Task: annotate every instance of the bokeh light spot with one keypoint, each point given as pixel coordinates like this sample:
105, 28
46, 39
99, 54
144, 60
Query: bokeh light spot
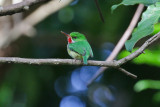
106, 50
101, 95
72, 101
66, 15
87, 73
61, 86
77, 81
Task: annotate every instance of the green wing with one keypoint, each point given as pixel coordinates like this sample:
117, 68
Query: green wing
82, 47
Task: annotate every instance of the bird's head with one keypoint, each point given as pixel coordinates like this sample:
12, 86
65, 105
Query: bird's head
74, 37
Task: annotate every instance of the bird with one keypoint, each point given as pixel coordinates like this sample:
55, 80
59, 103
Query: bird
78, 46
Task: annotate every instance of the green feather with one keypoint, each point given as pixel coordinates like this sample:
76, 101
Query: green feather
82, 48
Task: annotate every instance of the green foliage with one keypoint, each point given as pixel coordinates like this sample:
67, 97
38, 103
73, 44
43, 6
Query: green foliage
156, 29
145, 26
149, 58
149, 18
146, 84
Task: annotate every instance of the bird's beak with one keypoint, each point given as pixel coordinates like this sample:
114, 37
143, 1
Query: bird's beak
66, 34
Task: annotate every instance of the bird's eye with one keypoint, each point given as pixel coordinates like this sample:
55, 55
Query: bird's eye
74, 37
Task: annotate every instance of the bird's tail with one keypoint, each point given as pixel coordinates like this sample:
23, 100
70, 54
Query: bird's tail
85, 60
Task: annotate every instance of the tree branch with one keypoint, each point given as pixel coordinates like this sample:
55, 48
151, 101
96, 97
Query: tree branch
55, 61
114, 64
99, 10
19, 7
127, 73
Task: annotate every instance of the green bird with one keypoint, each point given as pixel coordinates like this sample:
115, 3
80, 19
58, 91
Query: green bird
78, 46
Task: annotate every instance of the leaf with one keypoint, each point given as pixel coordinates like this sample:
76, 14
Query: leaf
132, 2
156, 29
145, 26
146, 84
151, 57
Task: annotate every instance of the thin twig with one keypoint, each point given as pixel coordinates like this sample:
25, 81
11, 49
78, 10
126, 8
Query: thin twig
19, 7
121, 42
99, 10
127, 73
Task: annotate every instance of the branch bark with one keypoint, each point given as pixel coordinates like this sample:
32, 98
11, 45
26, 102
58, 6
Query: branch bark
55, 61
19, 7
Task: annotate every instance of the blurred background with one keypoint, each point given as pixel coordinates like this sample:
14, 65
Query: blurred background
36, 34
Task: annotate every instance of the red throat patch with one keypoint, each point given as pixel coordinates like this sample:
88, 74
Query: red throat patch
69, 40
